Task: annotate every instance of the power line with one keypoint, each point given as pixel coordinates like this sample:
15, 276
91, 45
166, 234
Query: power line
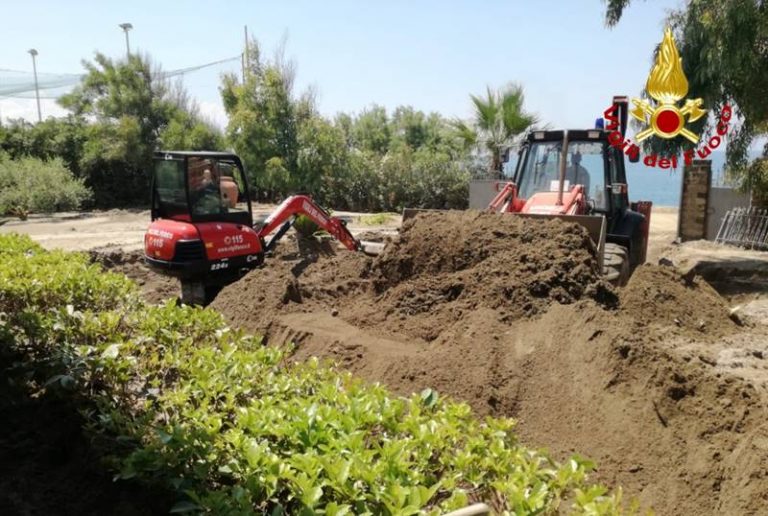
26, 72
182, 71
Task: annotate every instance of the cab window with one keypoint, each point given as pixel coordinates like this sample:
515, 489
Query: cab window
541, 170
215, 187
586, 166
169, 185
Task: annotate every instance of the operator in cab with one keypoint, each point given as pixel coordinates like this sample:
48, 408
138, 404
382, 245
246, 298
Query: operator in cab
575, 174
205, 191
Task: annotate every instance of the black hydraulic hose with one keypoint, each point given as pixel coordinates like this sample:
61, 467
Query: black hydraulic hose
279, 234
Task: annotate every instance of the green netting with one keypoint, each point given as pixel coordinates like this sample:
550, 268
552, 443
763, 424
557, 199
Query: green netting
21, 84
15, 83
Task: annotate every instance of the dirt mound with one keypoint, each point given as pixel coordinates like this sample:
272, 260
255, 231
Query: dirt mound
154, 287
509, 263
662, 419
510, 315
662, 296
442, 267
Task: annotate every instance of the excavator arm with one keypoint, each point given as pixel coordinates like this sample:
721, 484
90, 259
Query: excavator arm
285, 215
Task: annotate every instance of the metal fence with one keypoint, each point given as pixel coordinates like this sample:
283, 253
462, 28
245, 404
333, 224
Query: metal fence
745, 227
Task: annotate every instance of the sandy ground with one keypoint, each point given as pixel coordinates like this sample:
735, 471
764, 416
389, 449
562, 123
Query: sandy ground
662, 233
124, 229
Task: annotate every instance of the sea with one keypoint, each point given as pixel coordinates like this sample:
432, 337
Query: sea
664, 186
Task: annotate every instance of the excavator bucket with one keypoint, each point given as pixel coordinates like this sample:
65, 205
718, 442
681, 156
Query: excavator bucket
372, 248
594, 224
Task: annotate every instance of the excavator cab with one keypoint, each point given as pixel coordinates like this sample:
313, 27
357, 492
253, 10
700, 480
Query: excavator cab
200, 187
202, 225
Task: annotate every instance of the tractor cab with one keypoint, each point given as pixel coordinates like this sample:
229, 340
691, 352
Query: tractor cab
200, 187
571, 172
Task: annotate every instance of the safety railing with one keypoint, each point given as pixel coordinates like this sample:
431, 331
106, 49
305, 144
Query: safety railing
745, 227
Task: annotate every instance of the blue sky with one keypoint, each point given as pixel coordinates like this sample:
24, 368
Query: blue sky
427, 54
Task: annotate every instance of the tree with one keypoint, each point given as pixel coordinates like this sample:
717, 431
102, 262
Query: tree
322, 158
724, 48
417, 129
52, 138
264, 123
499, 117
126, 110
614, 9
371, 131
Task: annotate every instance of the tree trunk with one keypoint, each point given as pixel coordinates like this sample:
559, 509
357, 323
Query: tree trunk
497, 167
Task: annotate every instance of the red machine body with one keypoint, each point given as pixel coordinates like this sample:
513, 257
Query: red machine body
221, 240
572, 202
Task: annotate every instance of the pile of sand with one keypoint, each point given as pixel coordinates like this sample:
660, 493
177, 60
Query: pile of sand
455, 262
442, 268
511, 316
663, 297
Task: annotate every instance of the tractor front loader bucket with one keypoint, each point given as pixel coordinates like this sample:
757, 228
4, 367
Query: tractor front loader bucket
594, 224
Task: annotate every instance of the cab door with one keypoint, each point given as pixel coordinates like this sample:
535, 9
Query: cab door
169, 189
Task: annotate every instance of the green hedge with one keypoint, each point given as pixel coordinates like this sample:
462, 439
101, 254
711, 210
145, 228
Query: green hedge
235, 427
31, 185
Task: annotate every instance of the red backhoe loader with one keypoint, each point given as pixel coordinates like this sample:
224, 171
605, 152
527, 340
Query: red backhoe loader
579, 176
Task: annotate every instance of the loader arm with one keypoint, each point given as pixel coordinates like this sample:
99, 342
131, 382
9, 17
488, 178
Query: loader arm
285, 215
506, 201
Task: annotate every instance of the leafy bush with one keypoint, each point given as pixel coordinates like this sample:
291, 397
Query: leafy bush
399, 179
377, 219
30, 185
13, 244
235, 428
305, 226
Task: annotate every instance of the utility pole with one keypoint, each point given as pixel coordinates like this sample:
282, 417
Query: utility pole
33, 53
126, 27
245, 52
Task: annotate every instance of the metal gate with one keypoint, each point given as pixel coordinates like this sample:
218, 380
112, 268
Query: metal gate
745, 227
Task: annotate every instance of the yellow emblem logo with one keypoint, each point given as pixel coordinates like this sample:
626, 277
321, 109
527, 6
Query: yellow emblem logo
667, 84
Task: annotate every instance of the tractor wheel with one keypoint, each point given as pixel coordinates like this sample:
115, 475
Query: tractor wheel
616, 264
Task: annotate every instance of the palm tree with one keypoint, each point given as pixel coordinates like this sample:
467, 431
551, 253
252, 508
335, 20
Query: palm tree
499, 117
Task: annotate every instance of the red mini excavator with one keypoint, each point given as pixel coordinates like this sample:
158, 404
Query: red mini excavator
202, 227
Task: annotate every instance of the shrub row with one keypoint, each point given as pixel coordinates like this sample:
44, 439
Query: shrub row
234, 427
31, 185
